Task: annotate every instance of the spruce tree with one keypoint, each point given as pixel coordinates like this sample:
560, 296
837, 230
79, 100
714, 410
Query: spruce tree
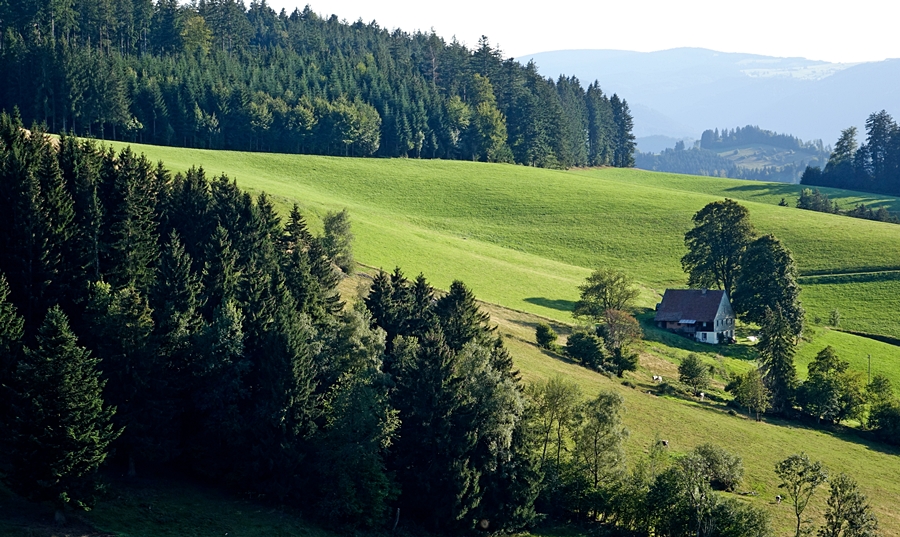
29, 253
11, 331
776, 359
129, 195
460, 318
62, 429
80, 163
121, 327
768, 279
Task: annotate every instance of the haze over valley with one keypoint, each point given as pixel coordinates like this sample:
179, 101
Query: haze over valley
681, 92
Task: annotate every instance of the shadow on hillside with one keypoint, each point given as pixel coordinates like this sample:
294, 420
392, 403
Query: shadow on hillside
790, 193
840, 432
555, 304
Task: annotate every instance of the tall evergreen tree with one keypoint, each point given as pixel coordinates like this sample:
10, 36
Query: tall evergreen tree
462, 321
768, 279
721, 233
121, 328
623, 149
63, 428
11, 332
129, 196
776, 358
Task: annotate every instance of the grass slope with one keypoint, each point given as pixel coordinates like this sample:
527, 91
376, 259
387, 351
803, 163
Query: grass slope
687, 423
525, 238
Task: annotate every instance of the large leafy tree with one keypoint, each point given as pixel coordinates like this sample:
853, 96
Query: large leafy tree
599, 441
832, 391
338, 239
768, 279
848, 513
750, 391
605, 289
62, 427
721, 233
693, 372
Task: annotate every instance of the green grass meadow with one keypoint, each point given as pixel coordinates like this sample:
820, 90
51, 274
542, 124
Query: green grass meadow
523, 239
688, 422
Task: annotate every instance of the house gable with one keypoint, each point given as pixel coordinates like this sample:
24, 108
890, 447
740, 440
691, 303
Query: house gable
705, 314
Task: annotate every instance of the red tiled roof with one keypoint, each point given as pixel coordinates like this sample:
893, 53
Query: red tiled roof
697, 305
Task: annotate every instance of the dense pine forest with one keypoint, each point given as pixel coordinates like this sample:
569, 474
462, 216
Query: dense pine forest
215, 74
873, 166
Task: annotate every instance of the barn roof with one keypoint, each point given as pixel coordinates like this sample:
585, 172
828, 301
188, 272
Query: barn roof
688, 306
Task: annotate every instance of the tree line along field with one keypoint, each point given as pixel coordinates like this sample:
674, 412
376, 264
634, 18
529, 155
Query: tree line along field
525, 238
404, 216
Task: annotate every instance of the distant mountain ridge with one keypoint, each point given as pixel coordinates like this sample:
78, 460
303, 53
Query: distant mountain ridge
681, 92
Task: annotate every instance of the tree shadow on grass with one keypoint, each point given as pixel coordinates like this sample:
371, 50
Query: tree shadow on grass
554, 304
769, 189
790, 192
840, 432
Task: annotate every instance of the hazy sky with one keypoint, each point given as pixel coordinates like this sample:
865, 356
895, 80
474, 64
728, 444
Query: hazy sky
861, 30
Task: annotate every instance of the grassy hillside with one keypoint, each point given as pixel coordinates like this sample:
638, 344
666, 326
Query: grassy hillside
686, 423
525, 238
756, 156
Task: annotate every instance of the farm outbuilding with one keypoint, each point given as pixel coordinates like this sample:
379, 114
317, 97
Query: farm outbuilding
702, 314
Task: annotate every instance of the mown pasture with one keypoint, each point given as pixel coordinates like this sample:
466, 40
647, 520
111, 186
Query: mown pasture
525, 238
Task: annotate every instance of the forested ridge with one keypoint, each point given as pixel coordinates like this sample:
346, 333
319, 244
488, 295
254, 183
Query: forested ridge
215, 74
706, 158
715, 140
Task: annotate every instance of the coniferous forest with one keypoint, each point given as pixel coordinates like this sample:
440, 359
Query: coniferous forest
156, 322
873, 166
215, 74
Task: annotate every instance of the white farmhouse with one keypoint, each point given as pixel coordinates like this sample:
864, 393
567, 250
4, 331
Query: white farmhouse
703, 314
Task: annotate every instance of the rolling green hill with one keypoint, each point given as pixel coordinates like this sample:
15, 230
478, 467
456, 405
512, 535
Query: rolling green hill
756, 156
525, 238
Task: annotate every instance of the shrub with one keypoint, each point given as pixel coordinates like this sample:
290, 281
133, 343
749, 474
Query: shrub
587, 349
725, 470
693, 372
546, 337
623, 360
885, 420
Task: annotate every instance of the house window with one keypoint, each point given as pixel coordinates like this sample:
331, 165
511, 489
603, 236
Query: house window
703, 336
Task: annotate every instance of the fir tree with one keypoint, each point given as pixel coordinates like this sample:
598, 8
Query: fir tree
776, 359
460, 318
63, 428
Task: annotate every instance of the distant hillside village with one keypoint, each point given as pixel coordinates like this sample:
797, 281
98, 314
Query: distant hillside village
213, 74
